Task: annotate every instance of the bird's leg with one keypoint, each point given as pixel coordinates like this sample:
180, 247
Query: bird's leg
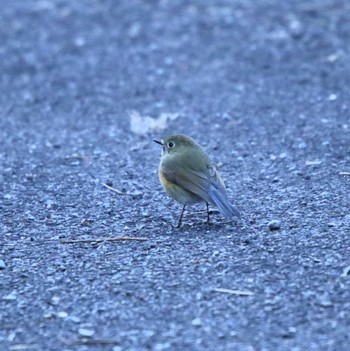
208, 213
180, 219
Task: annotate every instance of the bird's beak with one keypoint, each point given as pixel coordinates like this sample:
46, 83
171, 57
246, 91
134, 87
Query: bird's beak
160, 142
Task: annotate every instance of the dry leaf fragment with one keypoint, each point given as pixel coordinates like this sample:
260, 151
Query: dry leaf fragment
144, 124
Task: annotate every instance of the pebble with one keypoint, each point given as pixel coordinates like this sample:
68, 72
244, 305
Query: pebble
275, 224
2, 264
30, 217
332, 97
325, 301
11, 296
86, 332
199, 296
162, 346
283, 155
134, 30
74, 319
62, 314
346, 272
55, 300
196, 322
79, 42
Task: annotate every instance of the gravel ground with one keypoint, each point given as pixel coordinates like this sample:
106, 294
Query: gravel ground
263, 86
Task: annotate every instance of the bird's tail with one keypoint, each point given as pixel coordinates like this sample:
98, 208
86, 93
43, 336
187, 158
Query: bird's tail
220, 199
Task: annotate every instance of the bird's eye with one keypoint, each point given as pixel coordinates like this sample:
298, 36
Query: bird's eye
171, 144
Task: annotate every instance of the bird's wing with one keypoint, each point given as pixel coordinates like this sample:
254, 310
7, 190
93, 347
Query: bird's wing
209, 187
189, 179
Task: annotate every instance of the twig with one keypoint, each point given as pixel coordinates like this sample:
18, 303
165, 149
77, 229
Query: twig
344, 173
116, 190
100, 240
20, 347
86, 341
234, 292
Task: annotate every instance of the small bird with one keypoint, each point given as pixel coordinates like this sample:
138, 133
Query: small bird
189, 177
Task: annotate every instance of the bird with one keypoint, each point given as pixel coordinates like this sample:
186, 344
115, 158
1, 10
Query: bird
188, 176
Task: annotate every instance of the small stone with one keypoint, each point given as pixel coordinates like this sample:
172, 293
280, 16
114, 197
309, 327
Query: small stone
117, 348
85, 222
74, 319
325, 301
168, 60
162, 346
79, 42
333, 57
296, 28
62, 314
283, 155
148, 333
11, 336
292, 330
346, 272
48, 315
11, 296
55, 300
2, 264
332, 97
313, 163
8, 196
134, 30
225, 116
275, 224
86, 332
50, 204
199, 296
30, 217
27, 96
196, 322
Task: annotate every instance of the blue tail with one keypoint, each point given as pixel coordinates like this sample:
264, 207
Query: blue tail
220, 199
